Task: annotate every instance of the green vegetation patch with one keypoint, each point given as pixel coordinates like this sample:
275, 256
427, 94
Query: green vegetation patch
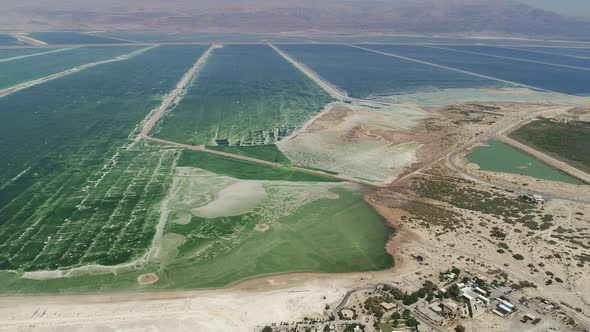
320, 170
243, 169
325, 235
386, 327
268, 152
462, 194
244, 95
500, 157
569, 141
428, 215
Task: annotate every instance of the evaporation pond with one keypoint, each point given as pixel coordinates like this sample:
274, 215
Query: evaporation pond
496, 156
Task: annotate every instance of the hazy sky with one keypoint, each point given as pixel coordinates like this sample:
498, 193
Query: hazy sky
569, 7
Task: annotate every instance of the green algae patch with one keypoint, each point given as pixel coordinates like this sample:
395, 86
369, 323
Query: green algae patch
496, 156
294, 227
243, 95
243, 169
267, 152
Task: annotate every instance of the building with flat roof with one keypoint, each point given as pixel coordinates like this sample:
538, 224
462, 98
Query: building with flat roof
483, 299
475, 307
388, 306
504, 308
480, 291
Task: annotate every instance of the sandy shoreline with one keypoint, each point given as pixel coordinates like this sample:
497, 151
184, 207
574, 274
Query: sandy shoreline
241, 307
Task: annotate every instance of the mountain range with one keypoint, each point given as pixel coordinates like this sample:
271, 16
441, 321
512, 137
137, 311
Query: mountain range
441, 17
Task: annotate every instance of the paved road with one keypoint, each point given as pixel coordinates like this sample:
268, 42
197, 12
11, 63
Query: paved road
422, 319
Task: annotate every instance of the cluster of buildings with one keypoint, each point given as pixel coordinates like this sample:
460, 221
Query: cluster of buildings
478, 301
476, 298
473, 302
504, 308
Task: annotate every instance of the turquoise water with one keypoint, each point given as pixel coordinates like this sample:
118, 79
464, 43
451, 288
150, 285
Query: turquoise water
364, 74
500, 157
541, 76
560, 60
8, 40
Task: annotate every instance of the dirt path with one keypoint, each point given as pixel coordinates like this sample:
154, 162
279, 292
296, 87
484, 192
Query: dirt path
334, 92
36, 54
551, 53
507, 124
258, 161
71, 71
511, 58
579, 174
29, 40
176, 92
180, 88
451, 68
498, 130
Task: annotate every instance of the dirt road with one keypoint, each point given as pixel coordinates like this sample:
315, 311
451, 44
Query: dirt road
71, 71
562, 166
512, 58
546, 158
509, 123
451, 68
36, 54
259, 161
334, 92
179, 88
498, 131
29, 40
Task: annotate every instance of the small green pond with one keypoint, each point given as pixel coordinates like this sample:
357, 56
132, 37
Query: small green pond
496, 156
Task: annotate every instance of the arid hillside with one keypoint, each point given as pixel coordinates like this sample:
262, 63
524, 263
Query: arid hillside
464, 17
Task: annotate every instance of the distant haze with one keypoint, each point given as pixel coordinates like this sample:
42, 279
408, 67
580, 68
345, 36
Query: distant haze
579, 8
447, 17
